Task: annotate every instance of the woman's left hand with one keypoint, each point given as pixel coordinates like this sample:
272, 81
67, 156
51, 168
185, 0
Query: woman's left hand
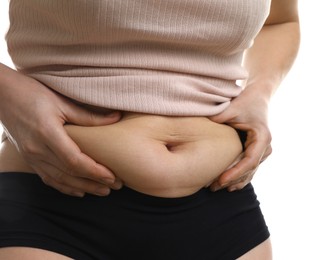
247, 112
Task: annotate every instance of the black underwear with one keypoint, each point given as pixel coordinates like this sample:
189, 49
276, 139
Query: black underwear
128, 224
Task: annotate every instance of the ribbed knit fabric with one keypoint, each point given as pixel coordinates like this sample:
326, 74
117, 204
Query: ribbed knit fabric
171, 57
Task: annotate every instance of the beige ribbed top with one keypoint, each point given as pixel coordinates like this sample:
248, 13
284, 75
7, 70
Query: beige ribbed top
172, 57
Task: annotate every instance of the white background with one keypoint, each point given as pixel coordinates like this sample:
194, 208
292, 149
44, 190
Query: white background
293, 184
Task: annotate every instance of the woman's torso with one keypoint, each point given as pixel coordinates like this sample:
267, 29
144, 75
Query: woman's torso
178, 58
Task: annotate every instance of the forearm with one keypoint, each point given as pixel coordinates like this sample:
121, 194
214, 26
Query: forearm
4, 70
10, 87
6, 76
267, 61
272, 56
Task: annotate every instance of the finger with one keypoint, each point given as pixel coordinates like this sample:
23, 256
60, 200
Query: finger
216, 185
70, 185
84, 117
118, 184
73, 161
267, 153
249, 162
241, 183
68, 190
252, 157
257, 147
57, 155
221, 118
52, 162
55, 177
235, 184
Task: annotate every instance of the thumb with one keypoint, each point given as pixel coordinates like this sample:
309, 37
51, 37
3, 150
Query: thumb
84, 117
220, 118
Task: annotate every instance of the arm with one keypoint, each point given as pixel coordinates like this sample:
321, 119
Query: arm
33, 117
275, 48
268, 61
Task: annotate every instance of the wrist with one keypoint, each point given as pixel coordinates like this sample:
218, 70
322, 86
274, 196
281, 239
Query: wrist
7, 76
262, 87
9, 88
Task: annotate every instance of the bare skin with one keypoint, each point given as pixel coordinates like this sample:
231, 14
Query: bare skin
157, 155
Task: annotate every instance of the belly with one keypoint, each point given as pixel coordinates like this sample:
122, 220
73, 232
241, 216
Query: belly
157, 155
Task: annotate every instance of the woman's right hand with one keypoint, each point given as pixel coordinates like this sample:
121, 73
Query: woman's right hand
33, 117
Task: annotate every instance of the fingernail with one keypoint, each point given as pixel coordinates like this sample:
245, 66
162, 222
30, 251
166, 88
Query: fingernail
215, 188
78, 194
117, 185
108, 181
219, 187
231, 189
114, 114
103, 192
224, 185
